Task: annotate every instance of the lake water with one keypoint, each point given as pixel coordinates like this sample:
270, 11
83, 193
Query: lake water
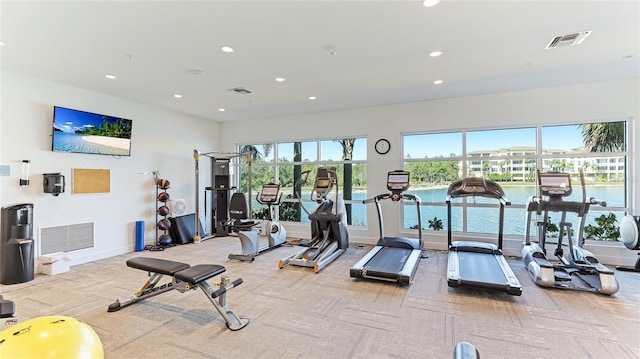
485, 219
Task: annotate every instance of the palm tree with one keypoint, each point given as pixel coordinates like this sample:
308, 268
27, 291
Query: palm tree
603, 137
297, 173
347, 179
255, 154
266, 148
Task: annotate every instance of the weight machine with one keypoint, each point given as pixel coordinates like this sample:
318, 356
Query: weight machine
220, 191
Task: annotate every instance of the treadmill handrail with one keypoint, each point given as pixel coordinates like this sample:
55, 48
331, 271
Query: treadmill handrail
383, 196
407, 196
457, 189
503, 199
376, 198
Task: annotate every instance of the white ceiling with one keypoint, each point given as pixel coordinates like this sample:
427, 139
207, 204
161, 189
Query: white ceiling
381, 50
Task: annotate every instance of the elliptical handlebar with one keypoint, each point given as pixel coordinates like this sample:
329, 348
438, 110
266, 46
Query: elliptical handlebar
325, 179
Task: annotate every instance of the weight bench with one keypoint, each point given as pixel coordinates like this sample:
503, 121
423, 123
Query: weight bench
184, 278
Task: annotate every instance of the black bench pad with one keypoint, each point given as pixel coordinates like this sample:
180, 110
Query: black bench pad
199, 273
156, 265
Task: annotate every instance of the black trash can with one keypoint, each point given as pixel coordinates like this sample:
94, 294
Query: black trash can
16, 244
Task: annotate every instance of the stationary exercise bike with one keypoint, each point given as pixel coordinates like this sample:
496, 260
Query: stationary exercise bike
269, 196
580, 269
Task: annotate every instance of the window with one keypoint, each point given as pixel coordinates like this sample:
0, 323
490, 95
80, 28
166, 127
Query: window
511, 157
285, 162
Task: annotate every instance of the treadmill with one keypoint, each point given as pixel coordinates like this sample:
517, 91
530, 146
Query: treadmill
479, 264
393, 259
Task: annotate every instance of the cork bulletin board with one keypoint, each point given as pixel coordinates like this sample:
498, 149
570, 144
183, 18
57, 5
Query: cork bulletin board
91, 180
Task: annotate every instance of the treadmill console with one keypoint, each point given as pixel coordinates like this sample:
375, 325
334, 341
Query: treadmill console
397, 182
554, 184
475, 186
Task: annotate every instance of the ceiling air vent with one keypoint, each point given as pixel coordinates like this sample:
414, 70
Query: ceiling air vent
568, 40
241, 90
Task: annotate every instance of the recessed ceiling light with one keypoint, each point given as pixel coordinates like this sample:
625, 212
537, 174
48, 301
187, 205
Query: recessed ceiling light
437, 82
312, 98
221, 109
435, 53
177, 95
227, 49
280, 79
1, 42
110, 77
430, 3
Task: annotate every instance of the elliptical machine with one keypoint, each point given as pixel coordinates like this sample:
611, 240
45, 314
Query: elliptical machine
329, 237
581, 270
270, 196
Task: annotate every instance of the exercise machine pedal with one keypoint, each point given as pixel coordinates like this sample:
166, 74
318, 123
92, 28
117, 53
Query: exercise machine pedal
561, 275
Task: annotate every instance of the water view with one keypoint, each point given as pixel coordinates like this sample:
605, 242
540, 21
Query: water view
485, 219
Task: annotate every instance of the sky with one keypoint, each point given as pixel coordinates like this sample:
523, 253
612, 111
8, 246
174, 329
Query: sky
69, 120
443, 144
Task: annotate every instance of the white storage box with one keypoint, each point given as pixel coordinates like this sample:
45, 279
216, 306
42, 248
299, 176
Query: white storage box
54, 263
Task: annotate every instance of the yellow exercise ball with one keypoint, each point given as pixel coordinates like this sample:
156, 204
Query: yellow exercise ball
50, 337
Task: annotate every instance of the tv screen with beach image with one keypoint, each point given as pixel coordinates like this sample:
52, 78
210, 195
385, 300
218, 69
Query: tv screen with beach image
86, 132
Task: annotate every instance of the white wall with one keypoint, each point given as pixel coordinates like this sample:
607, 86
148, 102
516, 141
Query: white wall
557, 105
161, 140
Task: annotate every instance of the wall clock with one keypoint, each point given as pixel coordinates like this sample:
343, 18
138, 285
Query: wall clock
382, 146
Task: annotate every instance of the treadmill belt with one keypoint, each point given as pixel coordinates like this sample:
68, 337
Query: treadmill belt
480, 268
388, 262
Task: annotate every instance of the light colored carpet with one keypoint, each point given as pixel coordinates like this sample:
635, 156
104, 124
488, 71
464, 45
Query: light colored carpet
295, 313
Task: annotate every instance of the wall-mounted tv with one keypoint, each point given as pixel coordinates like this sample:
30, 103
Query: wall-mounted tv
86, 132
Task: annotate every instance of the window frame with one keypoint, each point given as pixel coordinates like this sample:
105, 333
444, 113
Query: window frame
465, 159
277, 163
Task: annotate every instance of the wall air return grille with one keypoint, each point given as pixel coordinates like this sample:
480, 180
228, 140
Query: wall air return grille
66, 238
568, 40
